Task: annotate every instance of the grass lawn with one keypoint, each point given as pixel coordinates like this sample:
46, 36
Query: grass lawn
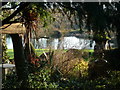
38, 52
88, 50
10, 53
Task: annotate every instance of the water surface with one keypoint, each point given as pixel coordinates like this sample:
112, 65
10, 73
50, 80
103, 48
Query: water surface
61, 43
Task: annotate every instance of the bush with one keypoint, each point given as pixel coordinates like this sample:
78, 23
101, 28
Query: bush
100, 83
41, 79
11, 81
74, 76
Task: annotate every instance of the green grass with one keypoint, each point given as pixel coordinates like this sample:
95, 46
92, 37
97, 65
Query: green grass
10, 53
38, 52
88, 50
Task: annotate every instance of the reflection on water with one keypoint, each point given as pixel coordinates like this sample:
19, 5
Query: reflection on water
61, 43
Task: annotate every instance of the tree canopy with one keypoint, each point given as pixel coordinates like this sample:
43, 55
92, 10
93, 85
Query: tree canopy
97, 16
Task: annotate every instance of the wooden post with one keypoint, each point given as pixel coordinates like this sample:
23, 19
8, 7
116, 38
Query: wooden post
0, 62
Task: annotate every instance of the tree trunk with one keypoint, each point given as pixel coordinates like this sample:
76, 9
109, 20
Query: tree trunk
117, 24
19, 57
118, 38
0, 49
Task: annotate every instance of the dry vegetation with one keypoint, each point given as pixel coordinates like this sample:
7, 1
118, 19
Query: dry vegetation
69, 63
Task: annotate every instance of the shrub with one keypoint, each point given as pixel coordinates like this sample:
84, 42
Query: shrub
81, 68
11, 81
41, 79
66, 74
67, 62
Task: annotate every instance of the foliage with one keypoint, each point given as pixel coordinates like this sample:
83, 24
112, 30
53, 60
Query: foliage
5, 57
48, 77
94, 18
82, 68
11, 81
108, 83
41, 79
5, 14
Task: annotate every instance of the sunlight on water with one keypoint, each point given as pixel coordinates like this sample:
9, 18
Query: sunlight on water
9, 43
62, 43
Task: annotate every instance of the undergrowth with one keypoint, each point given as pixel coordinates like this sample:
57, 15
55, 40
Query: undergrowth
64, 75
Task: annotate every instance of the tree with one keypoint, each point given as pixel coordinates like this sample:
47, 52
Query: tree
28, 13
100, 17
19, 57
93, 15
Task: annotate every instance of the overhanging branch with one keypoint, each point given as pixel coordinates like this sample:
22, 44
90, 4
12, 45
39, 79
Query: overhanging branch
22, 6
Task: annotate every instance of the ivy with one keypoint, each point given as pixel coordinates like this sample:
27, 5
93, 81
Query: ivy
5, 57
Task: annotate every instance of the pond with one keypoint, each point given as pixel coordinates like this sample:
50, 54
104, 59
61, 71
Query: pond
70, 42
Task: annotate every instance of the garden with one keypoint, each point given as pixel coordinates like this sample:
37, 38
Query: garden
67, 74
90, 64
